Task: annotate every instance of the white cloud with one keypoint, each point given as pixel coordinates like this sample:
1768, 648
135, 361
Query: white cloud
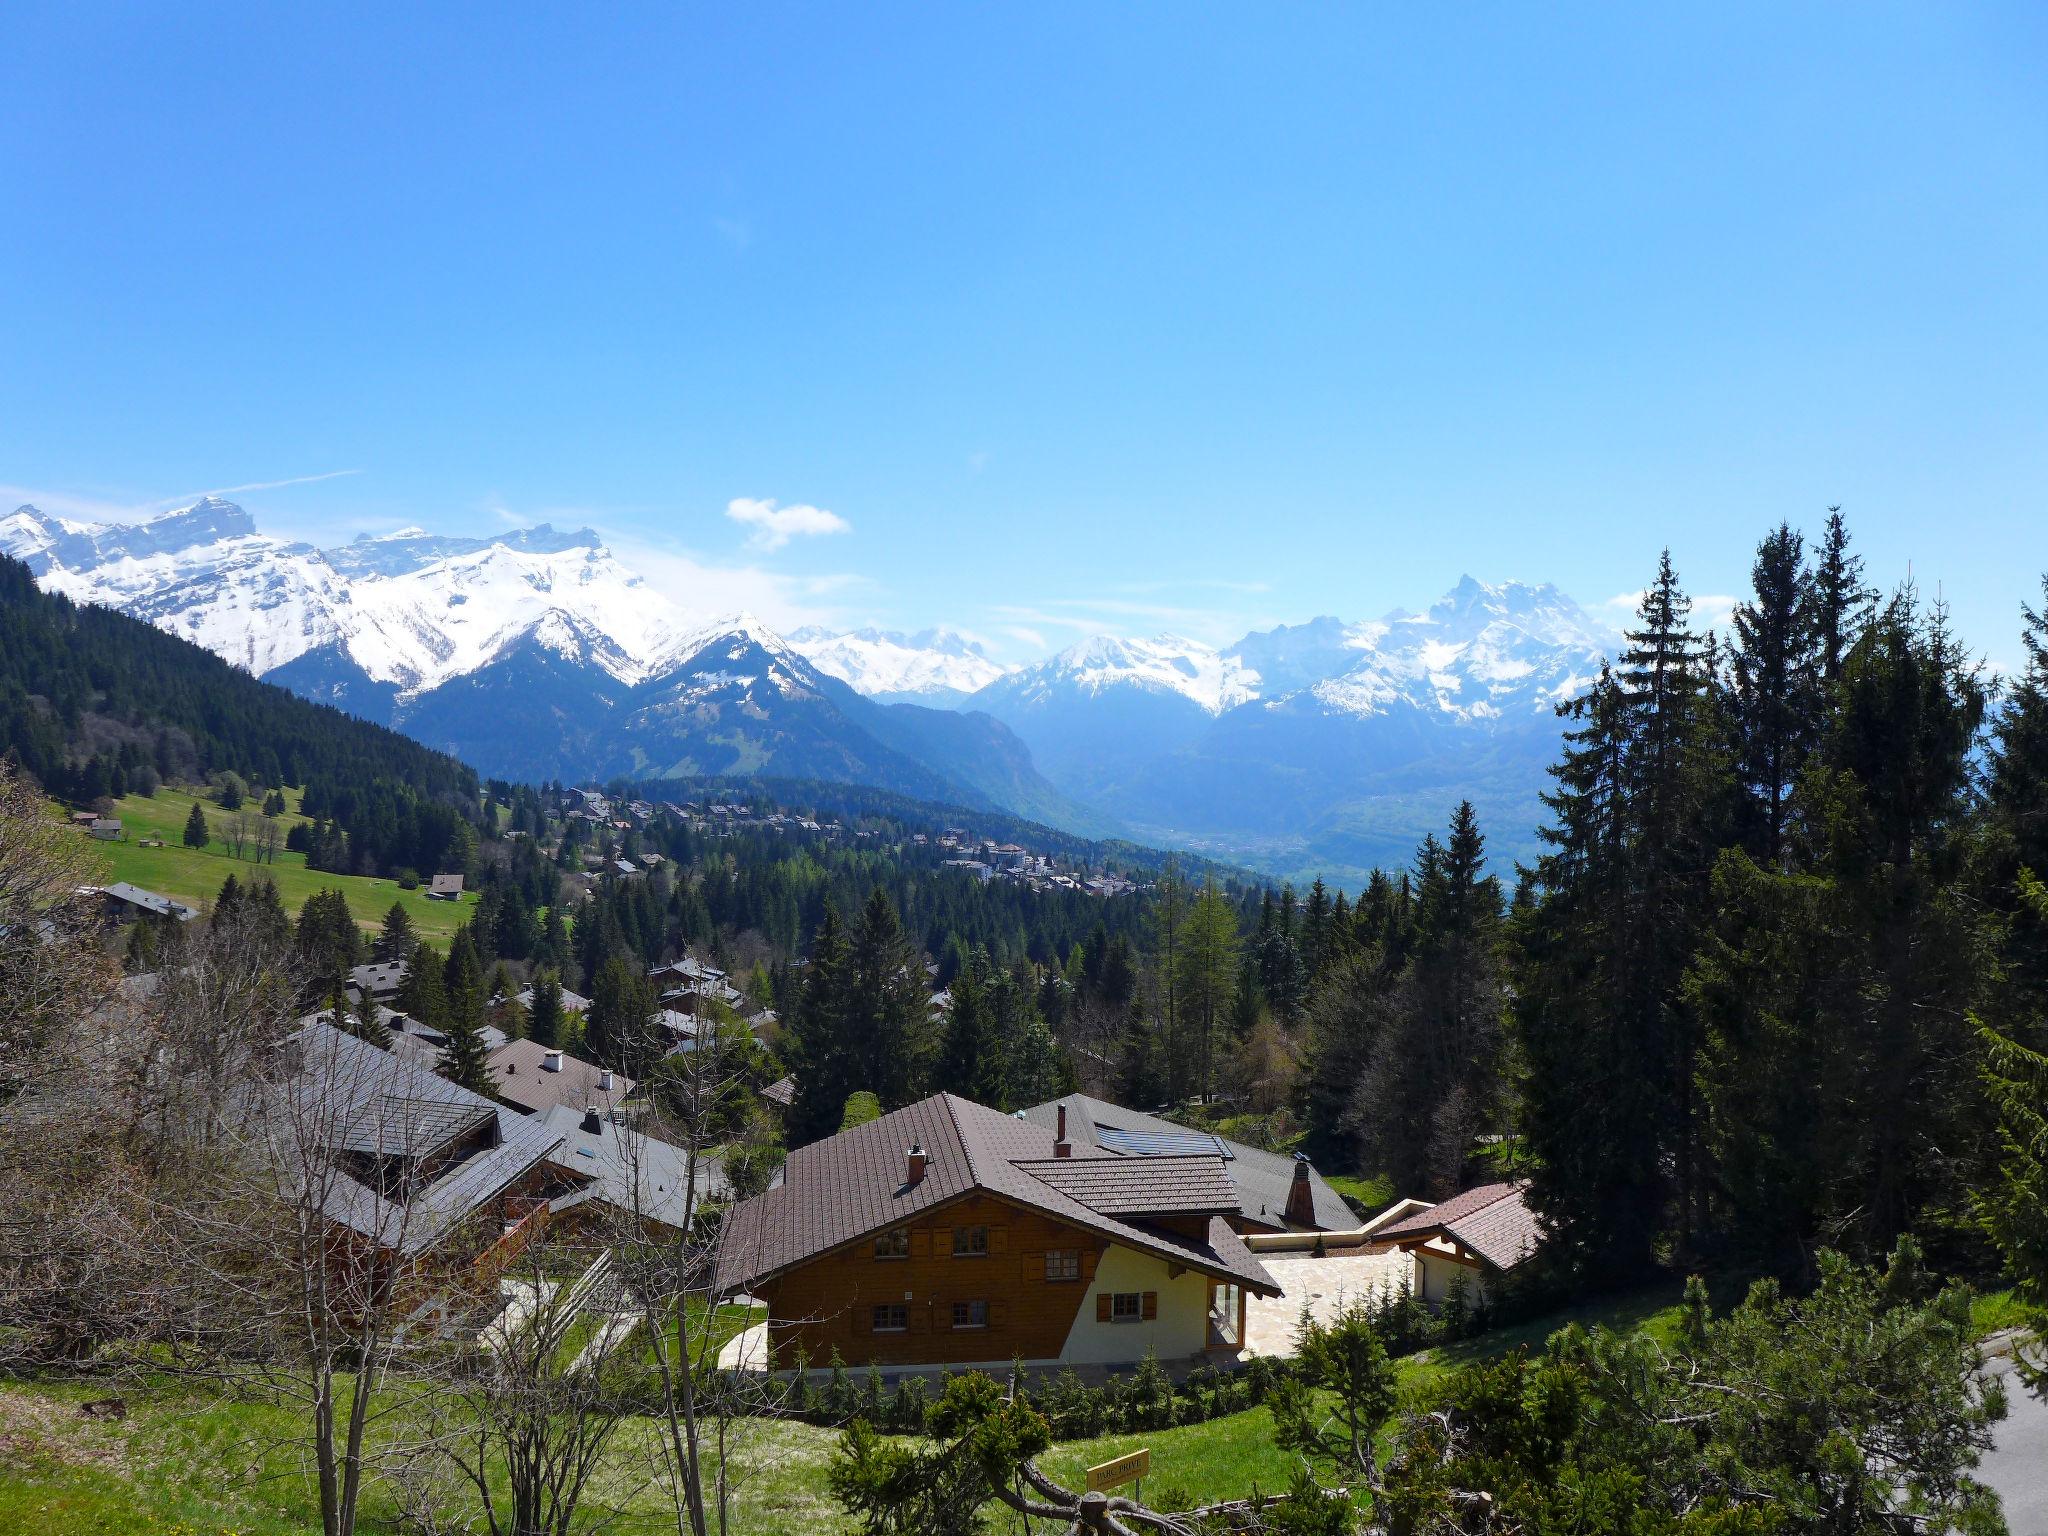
262, 485
775, 526
704, 587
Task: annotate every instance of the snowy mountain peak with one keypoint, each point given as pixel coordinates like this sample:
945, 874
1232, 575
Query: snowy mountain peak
937, 665
1168, 664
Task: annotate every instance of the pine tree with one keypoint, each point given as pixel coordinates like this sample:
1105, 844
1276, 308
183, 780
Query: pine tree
970, 1059
195, 827
544, 1022
819, 1055
887, 1011
464, 1058
1842, 603
421, 997
395, 939
1774, 700
1209, 950
369, 1024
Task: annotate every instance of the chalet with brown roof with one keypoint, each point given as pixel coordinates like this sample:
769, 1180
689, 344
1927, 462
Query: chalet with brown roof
946, 1233
1482, 1234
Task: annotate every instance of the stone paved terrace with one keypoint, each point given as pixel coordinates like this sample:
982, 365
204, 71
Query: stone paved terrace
1327, 1285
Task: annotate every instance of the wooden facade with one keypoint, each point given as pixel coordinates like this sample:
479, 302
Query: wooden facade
829, 1303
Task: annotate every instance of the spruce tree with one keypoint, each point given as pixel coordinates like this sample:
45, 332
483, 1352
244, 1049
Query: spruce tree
422, 997
369, 1024
820, 1056
395, 939
1774, 697
1843, 604
970, 1061
544, 1020
464, 1058
888, 1013
195, 827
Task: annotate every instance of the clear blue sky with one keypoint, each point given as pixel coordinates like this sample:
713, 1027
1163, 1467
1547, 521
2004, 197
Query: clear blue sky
1133, 317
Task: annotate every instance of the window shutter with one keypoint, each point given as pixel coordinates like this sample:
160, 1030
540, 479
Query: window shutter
995, 1314
1151, 1305
1102, 1306
920, 1319
1088, 1264
863, 1319
942, 1239
1031, 1266
998, 1238
920, 1245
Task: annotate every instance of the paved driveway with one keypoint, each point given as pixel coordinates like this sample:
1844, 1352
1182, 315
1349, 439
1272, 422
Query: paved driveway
1326, 1285
2018, 1464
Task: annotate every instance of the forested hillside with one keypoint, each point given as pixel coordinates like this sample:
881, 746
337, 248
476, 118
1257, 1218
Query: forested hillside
95, 704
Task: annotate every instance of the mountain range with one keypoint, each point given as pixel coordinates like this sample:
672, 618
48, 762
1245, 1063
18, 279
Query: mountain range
1330, 745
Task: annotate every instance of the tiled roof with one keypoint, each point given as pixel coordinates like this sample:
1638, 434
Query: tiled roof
1261, 1178
518, 1077
364, 1099
1140, 1186
854, 1184
1492, 1221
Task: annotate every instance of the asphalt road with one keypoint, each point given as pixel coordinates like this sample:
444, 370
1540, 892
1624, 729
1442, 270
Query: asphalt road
2018, 1464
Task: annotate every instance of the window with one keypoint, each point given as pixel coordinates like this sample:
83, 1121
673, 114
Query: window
970, 1314
1063, 1264
1126, 1307
894, 1318
893, 1245
970, 1242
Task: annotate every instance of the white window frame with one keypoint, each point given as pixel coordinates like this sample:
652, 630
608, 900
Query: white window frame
1117, 1314
889, 1309
962, 1243
971, 1307
1062, 1265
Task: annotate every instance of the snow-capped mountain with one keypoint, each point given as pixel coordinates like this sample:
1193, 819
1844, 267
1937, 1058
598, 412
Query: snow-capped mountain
537, 654
934, 666
533, 654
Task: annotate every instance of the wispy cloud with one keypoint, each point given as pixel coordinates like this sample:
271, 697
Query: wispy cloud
775, 526
261, 485
708, 588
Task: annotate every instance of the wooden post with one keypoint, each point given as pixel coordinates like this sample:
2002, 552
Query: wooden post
1093, 1511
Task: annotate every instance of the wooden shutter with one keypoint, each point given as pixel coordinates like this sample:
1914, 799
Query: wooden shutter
942, 1241
1030, 1267
1102, 1305
998, 1239
995, 1314
920, 1244
920, 1319
863, 1318
1151, 1305
1088, 1264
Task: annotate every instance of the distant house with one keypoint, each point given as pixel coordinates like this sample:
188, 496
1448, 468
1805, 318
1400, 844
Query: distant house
445, 888
947, 1233
1482, 1234
125, 903
380, 980
572, 1002
1275, 1192
601, 1163
106, 828
624, 867
534, 1078
780, 1094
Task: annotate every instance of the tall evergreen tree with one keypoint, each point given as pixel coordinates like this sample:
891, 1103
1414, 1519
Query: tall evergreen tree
888, 1012
971, 1055
1774, 697
544, 1021
820, 1057
395, 939
195, 827
1843, 604
1209, 950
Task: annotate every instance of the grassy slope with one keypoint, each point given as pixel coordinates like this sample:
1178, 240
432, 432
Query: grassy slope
194, 875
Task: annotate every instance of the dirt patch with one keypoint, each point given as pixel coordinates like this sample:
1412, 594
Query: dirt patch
35, 1428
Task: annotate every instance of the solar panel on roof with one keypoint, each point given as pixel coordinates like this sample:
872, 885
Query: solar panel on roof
1160, 1143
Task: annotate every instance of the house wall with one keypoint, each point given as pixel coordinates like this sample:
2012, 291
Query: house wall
1180, 1328
827, 1304
1436, 1266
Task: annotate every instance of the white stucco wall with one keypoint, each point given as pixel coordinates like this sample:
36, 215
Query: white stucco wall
1180, 1329
1434, 1272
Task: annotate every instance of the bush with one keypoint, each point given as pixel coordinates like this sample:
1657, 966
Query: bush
408, 879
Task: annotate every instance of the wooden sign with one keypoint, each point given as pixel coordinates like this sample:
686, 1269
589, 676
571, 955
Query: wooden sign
1125, 1469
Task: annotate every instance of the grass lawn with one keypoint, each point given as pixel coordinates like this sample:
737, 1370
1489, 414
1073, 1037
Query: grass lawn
1369, 1195
188, 1464
194, 875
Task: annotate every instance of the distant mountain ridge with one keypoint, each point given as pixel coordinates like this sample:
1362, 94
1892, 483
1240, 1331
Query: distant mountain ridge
535, 653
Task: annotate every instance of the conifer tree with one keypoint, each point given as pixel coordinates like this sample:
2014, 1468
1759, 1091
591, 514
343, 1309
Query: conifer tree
544, 1021
820, 1057
1843, 604
1209, 950
422, 997
369, 1024
887, 1010
395, 939
971, 1054
195, 827
1774, 697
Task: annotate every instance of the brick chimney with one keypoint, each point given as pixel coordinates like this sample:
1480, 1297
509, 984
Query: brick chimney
593, 1123
1061, 1147
915, 1159
1301, 1199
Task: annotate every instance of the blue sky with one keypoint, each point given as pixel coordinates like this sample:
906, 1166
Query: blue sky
1075, 317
